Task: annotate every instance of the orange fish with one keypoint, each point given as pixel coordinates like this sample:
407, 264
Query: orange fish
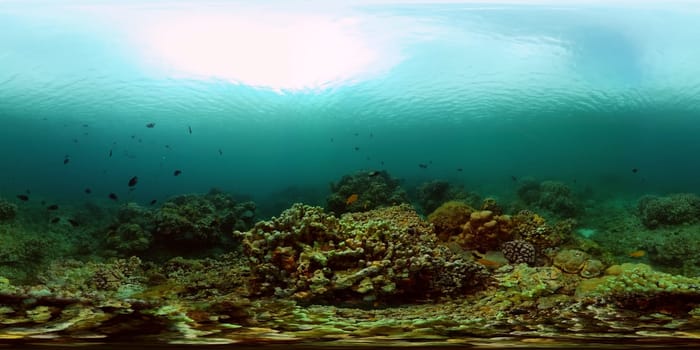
351, 199
637, 254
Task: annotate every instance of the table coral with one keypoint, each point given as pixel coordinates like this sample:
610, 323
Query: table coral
381, 254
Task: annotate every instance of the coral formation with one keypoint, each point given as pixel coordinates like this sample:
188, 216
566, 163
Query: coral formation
377, 255
533, 228
637, 285
578, 262
184, 222
448, 219
486, 230
431, 195
552, 196
519, 251
674, 209
371, 190
8, 210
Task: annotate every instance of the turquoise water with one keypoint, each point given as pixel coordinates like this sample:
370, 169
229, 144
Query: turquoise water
566, 113
582, 92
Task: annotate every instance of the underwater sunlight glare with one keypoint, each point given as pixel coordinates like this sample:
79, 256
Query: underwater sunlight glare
282, 52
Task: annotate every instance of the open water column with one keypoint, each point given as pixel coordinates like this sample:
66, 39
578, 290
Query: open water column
384, 173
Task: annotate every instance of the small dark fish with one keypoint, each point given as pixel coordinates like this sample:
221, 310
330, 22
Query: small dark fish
150, 125
133, 181
55, 220
357, 134
110, 153
88, 190
66, 161
133, 137
177, 172
167, 146
459, 169
52, 207
113, 197
75, 140
23, 197
635, 170
357, 148
423, 166
331, 139
373, 173
153, 202
513, 178
371, 135
73, 222
189, 128
85, 125
221, 153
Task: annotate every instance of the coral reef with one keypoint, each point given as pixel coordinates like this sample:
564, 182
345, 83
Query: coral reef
485, 231
519, 251
533, 228
378, 255
638, 285
675, 209
184, 224
577, 262
8, 210
553, 196
431, 195
364, 191
448, 219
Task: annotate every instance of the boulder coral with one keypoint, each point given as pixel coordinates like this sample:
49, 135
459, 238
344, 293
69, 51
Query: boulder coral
386, 254
674, 209
363, 191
